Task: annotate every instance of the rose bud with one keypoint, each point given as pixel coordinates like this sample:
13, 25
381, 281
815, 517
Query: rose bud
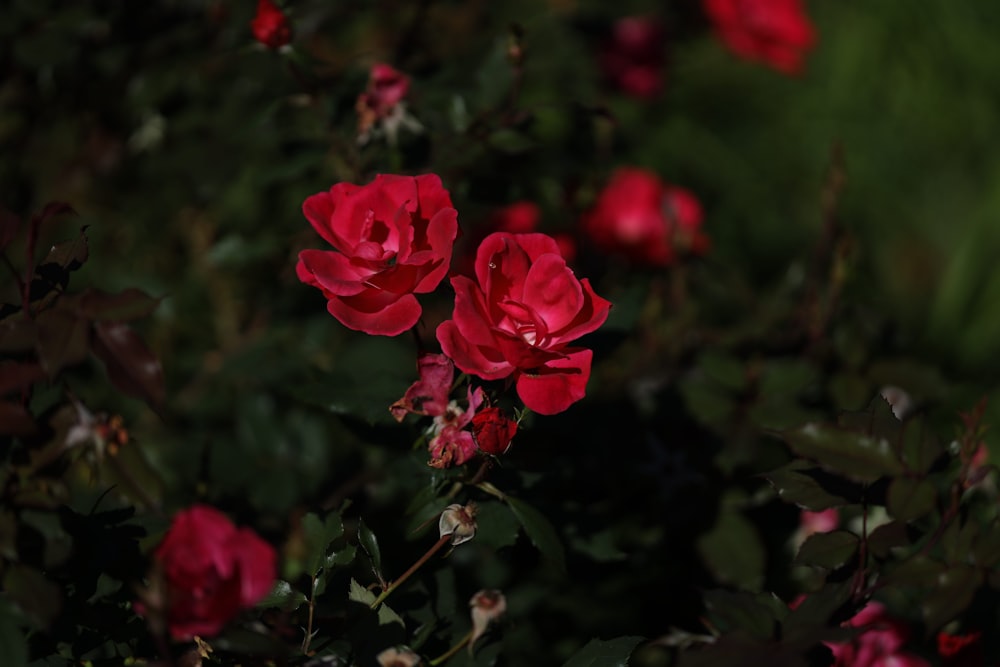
487, 607
459, 522
270, 26
493, 431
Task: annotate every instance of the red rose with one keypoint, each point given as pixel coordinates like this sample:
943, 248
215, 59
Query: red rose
638, 216
394, 238
493, 430
632, 59
880, 641
518, 318
211, 571
270, 26
777, 32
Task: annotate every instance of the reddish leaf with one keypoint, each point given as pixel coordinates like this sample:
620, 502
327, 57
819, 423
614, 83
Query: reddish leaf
95, 304
131, 366
62, 339
15, 375
15, 420
18, 334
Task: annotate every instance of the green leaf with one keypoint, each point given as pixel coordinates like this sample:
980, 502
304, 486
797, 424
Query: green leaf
341, 558
733, 552
726, 370
755, 614
510, 141
605, 653
540, 531
857, 456
13, 645
953, 593
810, 619
359, 593
908, 499
496, 526
369, 544
38, 598
800, 483
986, 548
887, 537
319, 534
283, 596
828, 550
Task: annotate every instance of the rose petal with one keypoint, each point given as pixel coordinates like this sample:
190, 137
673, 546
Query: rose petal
331, 272
391, 319
470, 357
558, 384
552, 290
591, 316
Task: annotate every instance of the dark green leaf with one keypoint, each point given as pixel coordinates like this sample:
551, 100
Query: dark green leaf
726, 370
953, 592
800, 483
359, 593
887, 537
605, 653
733, 552
810, 619
318, 534
284, 597
63, 339
13, 645
510, 141
38, 598
540, 531
735, 611
828, 550
496, 526
987, 545
908, 499
860, 457
369, 544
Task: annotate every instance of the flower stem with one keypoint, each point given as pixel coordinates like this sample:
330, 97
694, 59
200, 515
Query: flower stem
444, 657
444, 539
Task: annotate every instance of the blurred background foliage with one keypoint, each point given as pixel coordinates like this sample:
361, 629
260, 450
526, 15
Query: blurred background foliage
188, 150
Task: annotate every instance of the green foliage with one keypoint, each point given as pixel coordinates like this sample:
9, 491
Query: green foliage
157, 349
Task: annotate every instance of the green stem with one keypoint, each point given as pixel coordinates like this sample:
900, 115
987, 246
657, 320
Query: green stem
444, 657
444, 539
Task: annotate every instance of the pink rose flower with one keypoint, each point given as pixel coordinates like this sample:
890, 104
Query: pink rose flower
211, 570
393, 238
879, 644
776, 32
380, 107
632, 59
638, 216
270, 26
518, 318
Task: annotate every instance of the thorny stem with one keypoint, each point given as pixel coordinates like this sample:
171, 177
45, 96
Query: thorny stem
443, 540
312, 610
450, 653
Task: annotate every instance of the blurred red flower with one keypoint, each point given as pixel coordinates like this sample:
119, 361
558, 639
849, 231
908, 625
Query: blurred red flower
394, 238
880, 642
518, 318
647, 221
632, 58
270, 26
211, 571
776, 32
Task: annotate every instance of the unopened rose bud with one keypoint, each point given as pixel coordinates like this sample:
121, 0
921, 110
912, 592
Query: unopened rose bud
493, 431
459, 522
487, 606
270, 26
398, 657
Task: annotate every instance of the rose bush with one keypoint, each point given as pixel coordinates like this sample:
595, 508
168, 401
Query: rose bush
270, 26
777, 32
518, 318
211, 570
638, 216
393, 238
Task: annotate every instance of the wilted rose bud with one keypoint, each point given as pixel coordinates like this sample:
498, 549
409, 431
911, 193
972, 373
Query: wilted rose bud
493, 430
459, 522
398, 657
270, 26
487, 607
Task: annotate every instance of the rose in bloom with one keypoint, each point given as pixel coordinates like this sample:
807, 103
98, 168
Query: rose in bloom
880, 642
493, 430
647, 221
393, 238
521, 217
450, 444
518, 318
270, 26
777, 32
632, 59
211, 570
